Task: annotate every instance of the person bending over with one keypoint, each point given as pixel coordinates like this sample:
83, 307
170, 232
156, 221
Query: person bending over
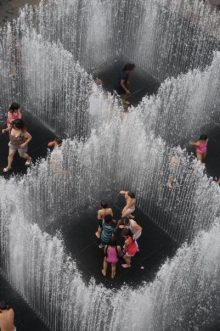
19, 139
122, 83
14, 113
130, 203
102, 212
112, 252
6, 317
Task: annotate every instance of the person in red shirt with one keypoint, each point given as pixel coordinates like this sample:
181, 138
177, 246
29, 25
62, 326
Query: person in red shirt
130, 248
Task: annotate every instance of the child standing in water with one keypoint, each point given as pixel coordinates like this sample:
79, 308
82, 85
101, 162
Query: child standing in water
107, 230
201, 147
112, 252
136, 229
130, 248
102, 212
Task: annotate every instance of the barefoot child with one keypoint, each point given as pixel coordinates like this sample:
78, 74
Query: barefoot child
108, 229
136, 229
112, 252
102, 212
130, 248
201, 147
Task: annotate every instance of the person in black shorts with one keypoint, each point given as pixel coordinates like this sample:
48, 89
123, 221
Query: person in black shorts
122, 82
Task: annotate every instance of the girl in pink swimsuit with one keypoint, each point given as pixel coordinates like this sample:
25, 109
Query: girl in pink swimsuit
201, 147
112, 252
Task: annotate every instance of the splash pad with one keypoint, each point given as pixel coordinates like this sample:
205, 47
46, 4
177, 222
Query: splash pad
114, 151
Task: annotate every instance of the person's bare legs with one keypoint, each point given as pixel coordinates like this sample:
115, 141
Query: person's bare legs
98, 232
113, 270
126, 103
26, 157
199, 156
105, 266
127, 263
11, 154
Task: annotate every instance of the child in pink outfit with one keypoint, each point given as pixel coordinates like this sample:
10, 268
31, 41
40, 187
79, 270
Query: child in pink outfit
111, 257
201, 147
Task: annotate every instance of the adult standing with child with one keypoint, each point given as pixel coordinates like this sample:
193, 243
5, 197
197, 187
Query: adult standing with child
14, 113
19, 140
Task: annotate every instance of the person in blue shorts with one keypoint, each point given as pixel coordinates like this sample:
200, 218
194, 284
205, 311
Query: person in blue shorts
122, 82
108, 230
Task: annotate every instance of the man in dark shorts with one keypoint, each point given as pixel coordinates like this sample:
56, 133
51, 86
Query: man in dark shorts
121, 84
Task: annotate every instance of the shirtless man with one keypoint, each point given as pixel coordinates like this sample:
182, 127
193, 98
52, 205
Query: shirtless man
6, 317
130, 203
102, 212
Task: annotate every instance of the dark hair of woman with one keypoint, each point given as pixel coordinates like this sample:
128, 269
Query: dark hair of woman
203, 137
131, 195
129, 67
104, 204
3, 305
18, 124
126, 232
14, 106
125, 220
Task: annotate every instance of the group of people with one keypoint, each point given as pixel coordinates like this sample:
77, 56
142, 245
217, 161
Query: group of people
109, 229
19, 137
